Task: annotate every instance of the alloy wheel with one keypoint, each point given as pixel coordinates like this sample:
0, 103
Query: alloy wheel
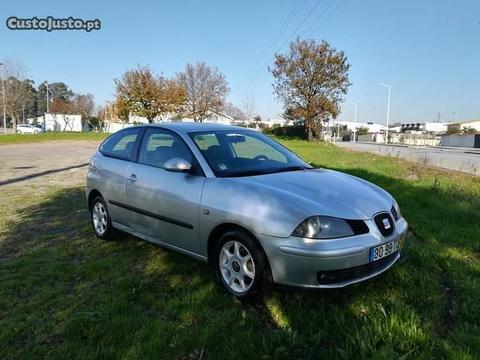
99, 216
237, 266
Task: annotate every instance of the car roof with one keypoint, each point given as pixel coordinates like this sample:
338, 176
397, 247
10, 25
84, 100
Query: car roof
188, 127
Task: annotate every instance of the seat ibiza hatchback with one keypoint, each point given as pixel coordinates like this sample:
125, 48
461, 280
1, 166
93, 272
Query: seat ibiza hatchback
244, 203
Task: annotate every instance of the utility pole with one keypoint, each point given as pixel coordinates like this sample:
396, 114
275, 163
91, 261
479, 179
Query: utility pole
23, 113
46, 84
355, 121
438, 116
453, 116
3, 99
388, 108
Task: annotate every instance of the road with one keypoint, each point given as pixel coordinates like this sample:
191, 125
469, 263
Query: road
458, 159
59, 163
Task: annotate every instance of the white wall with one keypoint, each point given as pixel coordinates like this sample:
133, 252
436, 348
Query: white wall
62, 122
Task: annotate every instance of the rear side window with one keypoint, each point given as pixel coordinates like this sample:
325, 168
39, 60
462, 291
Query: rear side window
121, 144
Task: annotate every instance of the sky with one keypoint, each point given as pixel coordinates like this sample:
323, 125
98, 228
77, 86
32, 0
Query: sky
428, 50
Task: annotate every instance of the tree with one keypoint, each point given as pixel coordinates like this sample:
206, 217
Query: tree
84, 105
311, 81
205, 89
248, 106
16, 90
231, 110
143, 93
57, 91
29, 103
469, 130
362, 130
60, 106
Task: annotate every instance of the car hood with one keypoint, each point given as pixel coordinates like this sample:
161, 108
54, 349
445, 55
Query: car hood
324, 192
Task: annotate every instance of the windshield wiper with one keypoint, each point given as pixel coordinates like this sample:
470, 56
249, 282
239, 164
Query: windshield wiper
290, 168
247, 173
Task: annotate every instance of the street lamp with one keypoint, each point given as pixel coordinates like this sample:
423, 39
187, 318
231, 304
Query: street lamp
388, 109
3, 99
355, 119
46, 84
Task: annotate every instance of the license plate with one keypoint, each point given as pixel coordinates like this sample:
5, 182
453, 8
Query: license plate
381, 251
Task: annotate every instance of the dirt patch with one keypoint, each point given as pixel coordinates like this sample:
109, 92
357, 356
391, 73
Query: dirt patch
61, 163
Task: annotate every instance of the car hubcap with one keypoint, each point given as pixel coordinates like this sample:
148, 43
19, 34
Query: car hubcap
99, 215
237, 266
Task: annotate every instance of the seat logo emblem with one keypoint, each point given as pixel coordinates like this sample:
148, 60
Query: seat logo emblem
386, 224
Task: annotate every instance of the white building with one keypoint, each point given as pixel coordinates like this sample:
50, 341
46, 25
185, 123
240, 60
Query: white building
352, 125
425, 127
277, 122
58, 122
113, 126
460, 125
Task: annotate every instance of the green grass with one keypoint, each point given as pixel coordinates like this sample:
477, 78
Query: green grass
49, 136
66, 294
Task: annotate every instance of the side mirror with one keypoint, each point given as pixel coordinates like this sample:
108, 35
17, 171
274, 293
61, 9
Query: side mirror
177, 165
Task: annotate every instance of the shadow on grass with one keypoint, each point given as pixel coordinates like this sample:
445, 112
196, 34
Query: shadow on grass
64, 293
41, 173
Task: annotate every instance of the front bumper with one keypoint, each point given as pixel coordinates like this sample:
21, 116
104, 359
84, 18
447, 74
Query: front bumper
302, 262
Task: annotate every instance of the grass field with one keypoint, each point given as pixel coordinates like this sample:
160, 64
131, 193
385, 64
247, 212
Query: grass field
66, 294
50, 136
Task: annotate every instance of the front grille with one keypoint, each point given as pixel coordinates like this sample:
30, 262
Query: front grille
394, 213
358, 226
357, 272
385, 223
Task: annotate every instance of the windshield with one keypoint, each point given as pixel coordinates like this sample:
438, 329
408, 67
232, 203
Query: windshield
245, 153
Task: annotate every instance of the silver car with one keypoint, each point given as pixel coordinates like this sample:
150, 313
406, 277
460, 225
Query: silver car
240, 201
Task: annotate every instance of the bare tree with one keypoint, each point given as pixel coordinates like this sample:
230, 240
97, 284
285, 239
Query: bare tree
205, 89
16, 89
84, 105
248, 106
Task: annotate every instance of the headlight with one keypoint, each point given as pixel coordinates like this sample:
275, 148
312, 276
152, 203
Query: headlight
397, 209
323, 227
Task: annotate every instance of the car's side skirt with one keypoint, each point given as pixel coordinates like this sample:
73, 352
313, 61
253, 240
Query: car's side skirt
156, 241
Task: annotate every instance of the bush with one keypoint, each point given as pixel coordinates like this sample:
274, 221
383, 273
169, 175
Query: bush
469, 130
294, 131
362, 131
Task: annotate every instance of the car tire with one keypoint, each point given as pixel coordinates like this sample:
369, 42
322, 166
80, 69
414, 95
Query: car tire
19, 132
239, 257
100, 219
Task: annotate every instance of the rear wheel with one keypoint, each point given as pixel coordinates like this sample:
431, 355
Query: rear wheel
101, 222
241, 265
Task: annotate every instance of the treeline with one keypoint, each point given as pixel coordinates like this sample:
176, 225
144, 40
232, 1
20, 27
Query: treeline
198, 92
310, 79
22, 99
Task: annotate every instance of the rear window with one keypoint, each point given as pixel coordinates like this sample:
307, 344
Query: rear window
121, 144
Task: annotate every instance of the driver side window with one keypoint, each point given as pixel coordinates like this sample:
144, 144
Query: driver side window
159, 146
253, 148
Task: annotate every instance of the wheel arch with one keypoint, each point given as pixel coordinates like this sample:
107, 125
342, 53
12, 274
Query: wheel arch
221, 229
91, 196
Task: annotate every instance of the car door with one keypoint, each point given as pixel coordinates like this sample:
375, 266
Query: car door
109, 169
165, 205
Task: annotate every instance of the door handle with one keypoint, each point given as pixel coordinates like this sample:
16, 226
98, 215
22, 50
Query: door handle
132, 178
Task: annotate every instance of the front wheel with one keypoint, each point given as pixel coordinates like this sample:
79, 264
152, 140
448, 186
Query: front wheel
101, 222
241, 265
